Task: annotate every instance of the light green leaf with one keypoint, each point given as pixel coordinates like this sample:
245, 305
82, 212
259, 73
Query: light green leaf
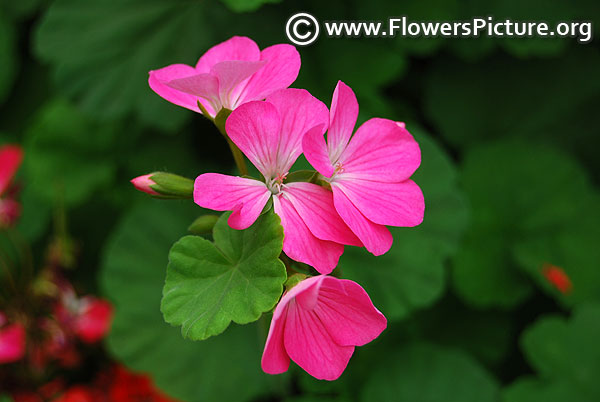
65, 155
411, 275
429, 373
132, 277
236, 278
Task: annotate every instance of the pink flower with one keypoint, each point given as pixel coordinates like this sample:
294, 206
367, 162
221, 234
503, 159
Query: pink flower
317, 324
228, 75
143, 184
368, 172
270, 134
12, 341
93, 320
11, 157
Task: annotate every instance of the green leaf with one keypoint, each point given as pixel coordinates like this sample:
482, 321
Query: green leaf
411, 275
519, 192
429, 373
111, 81
132, 277
65, 155
565, 356
236, 278
246, 5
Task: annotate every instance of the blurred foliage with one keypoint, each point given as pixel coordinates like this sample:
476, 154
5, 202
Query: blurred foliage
509, 132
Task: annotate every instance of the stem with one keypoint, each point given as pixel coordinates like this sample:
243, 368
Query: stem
238, 157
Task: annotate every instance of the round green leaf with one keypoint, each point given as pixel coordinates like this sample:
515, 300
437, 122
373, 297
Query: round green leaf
236, 278
411, 275
429, 373
531, 390
132, 277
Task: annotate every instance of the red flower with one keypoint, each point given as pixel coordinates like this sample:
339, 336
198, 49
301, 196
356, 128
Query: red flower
10, 160
558, 278
12, 341
79, 393
131, 387
93, 320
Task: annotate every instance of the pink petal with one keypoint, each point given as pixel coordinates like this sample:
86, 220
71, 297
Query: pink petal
315, 151
275, 359
94, 319
299, 112
315, 206
309, 344
347, 312
158, 80
344, 112
236, 48
391, 204
232, 76
281, 70
377, 239
254, 128
381, 150
144, 183
300, 244
205, 86
12, 343
245, 197
11, 157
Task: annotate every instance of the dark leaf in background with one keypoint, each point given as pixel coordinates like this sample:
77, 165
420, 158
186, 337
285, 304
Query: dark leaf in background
429, 373
224, 368
8, 50
520, 193
565, 356
247, 5
67, 156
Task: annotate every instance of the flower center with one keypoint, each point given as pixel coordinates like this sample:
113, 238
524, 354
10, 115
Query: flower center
339, 168
275, 184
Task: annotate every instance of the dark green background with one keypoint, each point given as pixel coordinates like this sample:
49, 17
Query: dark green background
509, 130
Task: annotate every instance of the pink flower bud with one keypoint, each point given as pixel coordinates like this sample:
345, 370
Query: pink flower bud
143, 184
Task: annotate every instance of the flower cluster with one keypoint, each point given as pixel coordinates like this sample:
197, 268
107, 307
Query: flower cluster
361, 185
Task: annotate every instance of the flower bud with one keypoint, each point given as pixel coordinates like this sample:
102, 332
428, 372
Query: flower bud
164, 185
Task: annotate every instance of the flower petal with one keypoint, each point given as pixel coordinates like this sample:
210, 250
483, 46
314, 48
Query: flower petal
275, 359
315, 151
300, 244
315, 206
254, 128
232, 76
12, 343
381, 150
281, 70
299, 112
235, 48
347, 312
205, 86
309, 344
158, 80
376, 238
343, 115
390, 204
245, 197
11, 157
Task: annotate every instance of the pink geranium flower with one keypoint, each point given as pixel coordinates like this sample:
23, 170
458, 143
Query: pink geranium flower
11, 157
270, 134
317, 324
12, 341
228, 75
368, 172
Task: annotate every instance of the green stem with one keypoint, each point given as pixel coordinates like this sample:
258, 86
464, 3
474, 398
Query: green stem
238, 157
